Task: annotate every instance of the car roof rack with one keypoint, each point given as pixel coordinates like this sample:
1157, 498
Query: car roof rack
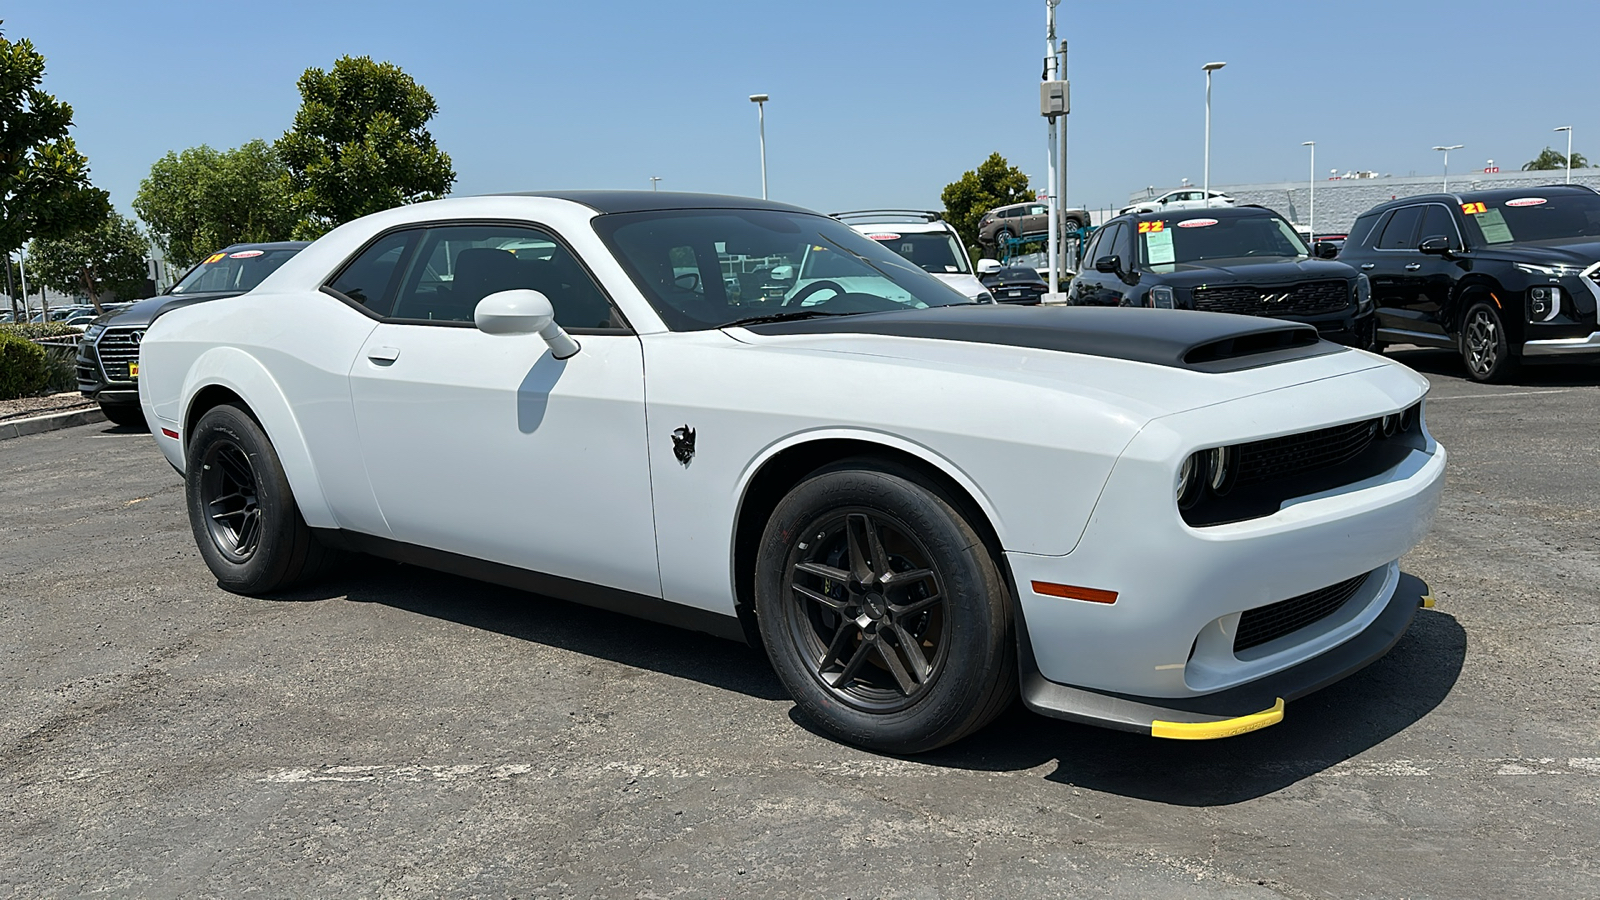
926, 215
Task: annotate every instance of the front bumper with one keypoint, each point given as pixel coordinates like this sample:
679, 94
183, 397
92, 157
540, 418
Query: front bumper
1181, 591
1571, 349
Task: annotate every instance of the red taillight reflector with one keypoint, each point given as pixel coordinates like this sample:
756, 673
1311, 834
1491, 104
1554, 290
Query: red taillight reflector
1072, 592
170, 433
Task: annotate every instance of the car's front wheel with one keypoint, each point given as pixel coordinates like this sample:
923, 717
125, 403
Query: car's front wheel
882, 610
1485, 348
241, 508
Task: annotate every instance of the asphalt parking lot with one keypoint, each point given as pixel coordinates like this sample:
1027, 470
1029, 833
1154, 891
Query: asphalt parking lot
394, 732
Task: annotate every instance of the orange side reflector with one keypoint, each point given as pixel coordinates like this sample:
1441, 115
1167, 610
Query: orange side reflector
1093, 595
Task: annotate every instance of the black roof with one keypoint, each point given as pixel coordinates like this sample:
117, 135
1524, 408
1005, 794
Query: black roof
644, 201
1491, 196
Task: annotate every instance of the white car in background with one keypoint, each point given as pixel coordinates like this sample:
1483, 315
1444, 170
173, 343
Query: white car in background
924, 238
1161, 521
1182, 198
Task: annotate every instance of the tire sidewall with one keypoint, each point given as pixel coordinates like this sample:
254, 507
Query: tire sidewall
279, 515
977, 618
1504, 361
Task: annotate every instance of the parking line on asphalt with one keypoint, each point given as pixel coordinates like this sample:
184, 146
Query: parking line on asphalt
1502, 394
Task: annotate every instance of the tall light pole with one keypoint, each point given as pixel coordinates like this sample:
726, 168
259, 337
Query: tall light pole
1209, 68
1447, 163
653, 180
1568, 130
760, 100
1053, 207
1311, 218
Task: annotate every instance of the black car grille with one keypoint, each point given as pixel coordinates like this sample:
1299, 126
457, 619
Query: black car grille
1295, 454
117, 348
1307, 299
1019, 292
1268, 623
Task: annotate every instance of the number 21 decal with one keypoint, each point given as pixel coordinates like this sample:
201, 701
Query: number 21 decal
1473, 209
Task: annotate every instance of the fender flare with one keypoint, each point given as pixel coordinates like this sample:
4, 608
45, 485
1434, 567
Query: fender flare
241, 373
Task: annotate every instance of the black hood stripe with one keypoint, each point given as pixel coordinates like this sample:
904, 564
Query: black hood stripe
1199, 341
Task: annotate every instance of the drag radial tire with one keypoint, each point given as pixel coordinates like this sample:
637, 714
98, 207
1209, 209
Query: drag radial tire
1485, 347
883, 611
244, 517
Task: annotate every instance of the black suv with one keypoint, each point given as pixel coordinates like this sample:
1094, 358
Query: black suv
1501, 276
1238, 259
108, 355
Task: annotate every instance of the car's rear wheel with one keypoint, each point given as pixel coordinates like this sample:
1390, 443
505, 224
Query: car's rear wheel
242, 511
883, 611
128, 415
1485, 348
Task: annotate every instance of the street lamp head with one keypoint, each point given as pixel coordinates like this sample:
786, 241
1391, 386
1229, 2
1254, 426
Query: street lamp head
758, 98
1451, 147
1563, 128
1212, 66
1308, 143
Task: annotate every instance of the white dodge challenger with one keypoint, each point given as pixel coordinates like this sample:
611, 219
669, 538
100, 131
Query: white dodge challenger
1161, 521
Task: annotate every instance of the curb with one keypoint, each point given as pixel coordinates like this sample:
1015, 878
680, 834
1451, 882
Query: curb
40, 424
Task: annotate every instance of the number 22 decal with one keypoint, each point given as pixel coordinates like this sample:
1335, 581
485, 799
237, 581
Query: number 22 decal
1152, 227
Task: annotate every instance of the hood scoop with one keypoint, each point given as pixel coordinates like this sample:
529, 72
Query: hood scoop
1183, 339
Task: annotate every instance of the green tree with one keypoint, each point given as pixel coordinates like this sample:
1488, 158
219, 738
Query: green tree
109, 258
994, 183
1550, 160
44, 180
360, 144
202, 200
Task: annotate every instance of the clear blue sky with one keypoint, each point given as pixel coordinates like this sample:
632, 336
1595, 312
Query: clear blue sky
874, 102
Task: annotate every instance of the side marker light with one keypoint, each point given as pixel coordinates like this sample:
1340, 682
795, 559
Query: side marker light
1072, 592
170, 433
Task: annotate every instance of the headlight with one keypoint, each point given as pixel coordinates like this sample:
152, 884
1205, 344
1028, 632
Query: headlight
1192, 479
1161, 297
1544, 302
92, 332
1554, 270
1363, 294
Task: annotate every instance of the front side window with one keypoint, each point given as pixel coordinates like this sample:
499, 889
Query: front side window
708, 268
455, 266
1436, 223
239, 270
1194, 238
1533, 217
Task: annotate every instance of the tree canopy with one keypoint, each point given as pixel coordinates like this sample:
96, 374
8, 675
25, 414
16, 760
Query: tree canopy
201, 200
994, 183
1549, 160
108, 258
360, 144
44, 180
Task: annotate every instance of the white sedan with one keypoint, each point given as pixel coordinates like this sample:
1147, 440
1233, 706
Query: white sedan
1154, 520
1182, 198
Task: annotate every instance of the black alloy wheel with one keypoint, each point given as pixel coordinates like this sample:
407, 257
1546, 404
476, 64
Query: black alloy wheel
1484, 346
883, 612
241, 508
868, 609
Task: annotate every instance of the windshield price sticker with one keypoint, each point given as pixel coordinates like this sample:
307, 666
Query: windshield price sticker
1158, 246
1494, 227
213, 258
1155, 227
1197, 223
245, 254
1527, 201
1473, 209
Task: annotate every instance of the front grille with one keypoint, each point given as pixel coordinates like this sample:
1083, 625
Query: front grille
1268, 623
1308, 299
1295, 454
118, 347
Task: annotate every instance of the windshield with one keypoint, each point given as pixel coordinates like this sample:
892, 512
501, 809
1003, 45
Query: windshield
239, 271
1171, 241
707, 268
936, 252
1532, 217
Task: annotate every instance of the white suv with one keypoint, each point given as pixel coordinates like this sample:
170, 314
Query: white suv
1182, 198
924, 238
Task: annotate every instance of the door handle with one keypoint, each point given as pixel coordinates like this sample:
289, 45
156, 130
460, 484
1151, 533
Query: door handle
1412, 267
383, 356
1366, 266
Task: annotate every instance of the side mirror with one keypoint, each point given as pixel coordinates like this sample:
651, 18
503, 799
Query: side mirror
1324, 250
1110, 265
985, 266
1437, 245
523, 312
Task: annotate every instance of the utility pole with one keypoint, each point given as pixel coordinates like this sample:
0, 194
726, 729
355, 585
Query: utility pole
1052, 105
11, 293
1061, 140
